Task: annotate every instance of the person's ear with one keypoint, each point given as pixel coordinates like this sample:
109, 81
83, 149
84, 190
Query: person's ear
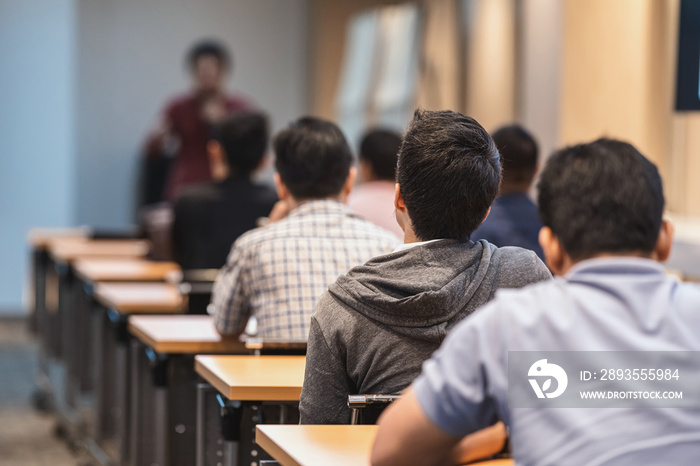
554, 255
349, 184
400, 206
282, 191
664, 242
487, 215
217, 160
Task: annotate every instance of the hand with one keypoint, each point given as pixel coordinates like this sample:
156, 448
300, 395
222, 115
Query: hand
279, 211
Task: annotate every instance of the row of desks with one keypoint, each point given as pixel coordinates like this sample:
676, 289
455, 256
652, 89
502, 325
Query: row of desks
149, 408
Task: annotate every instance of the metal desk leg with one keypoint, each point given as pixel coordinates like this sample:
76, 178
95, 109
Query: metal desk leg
231, 453
202, 389
99, 375
231, 416
133, 447
121, 379
161, 426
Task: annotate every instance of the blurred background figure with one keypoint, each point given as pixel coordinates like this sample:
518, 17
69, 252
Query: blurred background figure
373, 199
177, 146
208, 217
514, 220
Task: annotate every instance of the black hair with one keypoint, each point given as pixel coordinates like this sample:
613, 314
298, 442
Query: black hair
312, 158
209, 48
243, 137
519, 152
601, 197
449, 170
380, 148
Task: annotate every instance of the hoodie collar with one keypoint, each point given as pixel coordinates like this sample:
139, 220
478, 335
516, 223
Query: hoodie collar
403, 247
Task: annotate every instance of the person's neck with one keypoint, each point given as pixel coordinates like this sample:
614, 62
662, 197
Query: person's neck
206, 94
409, 236
294, 203
568, 263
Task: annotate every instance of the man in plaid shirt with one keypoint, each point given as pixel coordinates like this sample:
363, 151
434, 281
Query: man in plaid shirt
277, 273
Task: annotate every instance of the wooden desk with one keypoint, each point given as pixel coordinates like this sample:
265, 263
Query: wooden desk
112, 380
140, 298
187, 334
261, 378
339, 445
163, 398
68, 250
41, 238
123, 270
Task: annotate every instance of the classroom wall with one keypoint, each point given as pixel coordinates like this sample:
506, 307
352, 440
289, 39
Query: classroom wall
618, 80
540, 56
131, 61
37, 179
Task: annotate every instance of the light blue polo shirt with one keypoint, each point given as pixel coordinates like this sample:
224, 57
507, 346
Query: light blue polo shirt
606, 304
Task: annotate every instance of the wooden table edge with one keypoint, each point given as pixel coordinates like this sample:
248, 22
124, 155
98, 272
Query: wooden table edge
210, 377
194, 347
274, 450
288, 393
140, 309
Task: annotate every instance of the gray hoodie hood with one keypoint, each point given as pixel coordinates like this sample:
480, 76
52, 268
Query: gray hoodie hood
418, 291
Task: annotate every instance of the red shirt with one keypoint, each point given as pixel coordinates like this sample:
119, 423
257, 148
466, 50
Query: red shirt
191, 163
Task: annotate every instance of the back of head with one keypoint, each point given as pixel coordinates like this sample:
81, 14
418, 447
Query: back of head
313, 158
518, 151
380, 148
243, 137
449, 170
600, 198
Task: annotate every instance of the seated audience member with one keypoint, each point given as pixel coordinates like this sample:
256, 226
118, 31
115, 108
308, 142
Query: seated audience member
376, 325
373, 199
602, 205
513, 220
210, 216
277, 273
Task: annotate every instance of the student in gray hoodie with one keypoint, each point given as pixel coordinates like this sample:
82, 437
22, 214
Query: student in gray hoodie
374, 327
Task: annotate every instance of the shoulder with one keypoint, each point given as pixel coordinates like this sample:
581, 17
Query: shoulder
239, 102
366, 229
327, 309
194, 195
524, 309
518, 266
264, 193
179, 102
276, 231
336, 321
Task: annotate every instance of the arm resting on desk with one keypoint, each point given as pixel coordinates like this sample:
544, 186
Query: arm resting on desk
407, 436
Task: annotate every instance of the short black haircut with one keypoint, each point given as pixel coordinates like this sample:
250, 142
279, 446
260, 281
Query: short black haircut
380, 148
243, 137
450, 171
312, 158
209, 48
519, 153
602, 197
